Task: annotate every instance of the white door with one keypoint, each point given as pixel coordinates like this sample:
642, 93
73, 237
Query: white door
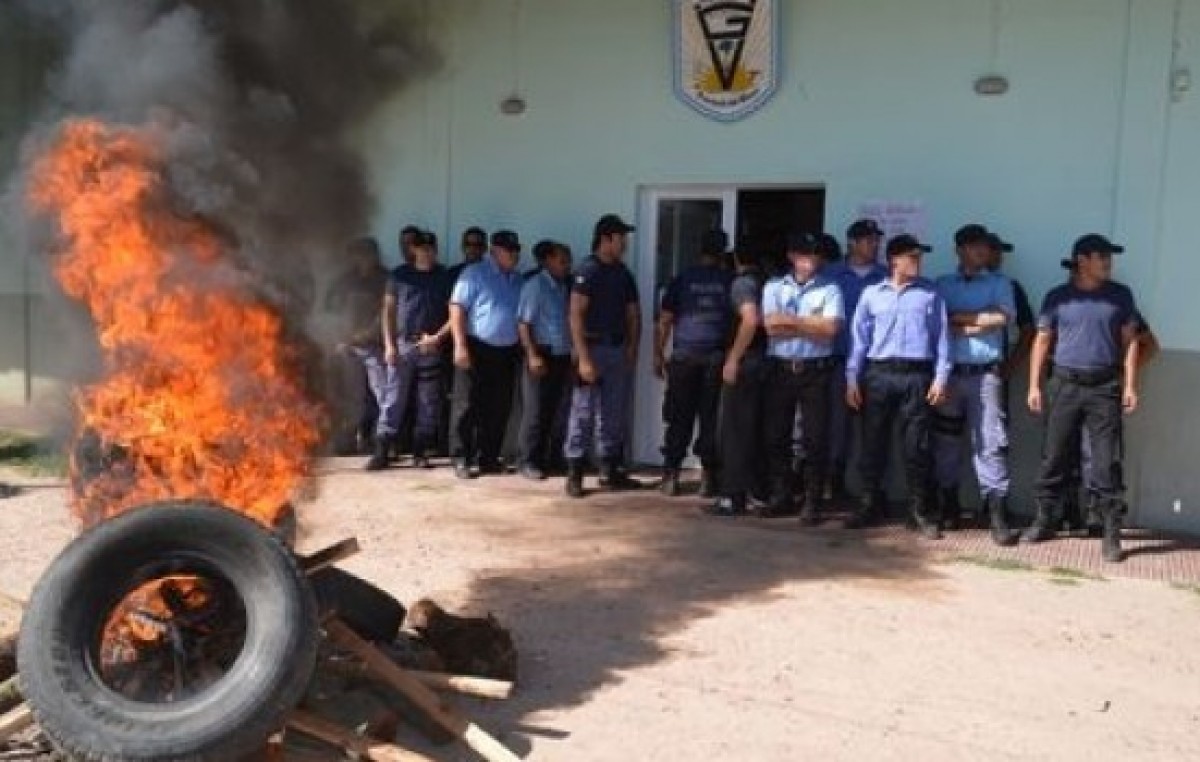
672, 222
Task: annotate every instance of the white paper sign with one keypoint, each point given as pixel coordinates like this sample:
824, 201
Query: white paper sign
897, 218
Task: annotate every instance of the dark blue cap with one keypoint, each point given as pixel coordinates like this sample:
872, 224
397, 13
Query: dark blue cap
507, 240
1094, 243
906, 244
807, 243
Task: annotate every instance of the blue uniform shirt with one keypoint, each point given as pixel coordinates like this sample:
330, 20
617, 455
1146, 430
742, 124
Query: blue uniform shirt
906, 323
543, 307
1087, 324
984, 291
610, 289
699, 299
819, 297
490, 296
852, 285
422, 299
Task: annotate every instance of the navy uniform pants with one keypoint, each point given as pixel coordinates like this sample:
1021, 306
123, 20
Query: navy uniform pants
415, 377
889, 394
740, 430
541, 399
599, 411
804, 386
482, 402
1086, 403
974, 406
693, 393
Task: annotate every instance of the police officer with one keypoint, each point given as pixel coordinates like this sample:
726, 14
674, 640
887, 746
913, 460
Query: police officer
694, 319
474, 247
980, 306
415, 326
1093, 325
802, 312
860, 268
899, 364
605, 321
483, 320
546, 341
1016, 354
408, 236
743, 378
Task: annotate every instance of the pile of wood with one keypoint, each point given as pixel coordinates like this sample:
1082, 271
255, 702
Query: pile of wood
455, 652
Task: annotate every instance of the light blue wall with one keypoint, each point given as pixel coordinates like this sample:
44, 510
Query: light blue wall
876, 102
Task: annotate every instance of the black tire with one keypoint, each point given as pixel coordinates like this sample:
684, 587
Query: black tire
60, 634
372, 613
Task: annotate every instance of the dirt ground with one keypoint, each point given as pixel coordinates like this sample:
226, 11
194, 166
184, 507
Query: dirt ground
650, 632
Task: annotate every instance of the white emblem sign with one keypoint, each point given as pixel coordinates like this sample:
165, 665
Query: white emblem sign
726, 55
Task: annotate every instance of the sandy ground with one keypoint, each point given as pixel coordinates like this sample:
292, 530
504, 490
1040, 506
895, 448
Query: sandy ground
650, 632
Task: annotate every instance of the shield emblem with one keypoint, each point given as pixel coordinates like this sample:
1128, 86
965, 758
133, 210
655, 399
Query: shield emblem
726, 55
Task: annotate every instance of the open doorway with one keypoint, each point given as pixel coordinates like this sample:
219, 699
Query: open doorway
672, 220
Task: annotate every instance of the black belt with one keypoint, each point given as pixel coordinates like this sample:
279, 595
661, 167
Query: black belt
901, 366
803, 366
976, 369
606, 339
1087, 377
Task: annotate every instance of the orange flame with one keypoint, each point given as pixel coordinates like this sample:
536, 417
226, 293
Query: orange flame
200, 397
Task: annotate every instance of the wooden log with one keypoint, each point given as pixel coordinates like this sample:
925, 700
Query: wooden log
331, 732
466, 685
423, 698
329, 556
15, 721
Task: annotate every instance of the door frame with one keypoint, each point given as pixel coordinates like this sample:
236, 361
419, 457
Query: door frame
646, 427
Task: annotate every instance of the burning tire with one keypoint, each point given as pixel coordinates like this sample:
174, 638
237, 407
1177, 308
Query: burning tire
179, 631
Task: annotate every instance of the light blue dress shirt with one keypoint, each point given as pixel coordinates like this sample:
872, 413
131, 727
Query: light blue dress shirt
906, 323
543, 307
819, 297
490, 297
982, 292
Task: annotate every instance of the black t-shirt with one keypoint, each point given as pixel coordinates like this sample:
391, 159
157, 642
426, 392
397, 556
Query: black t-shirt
422, 299
747, 289
610, 288
699, 300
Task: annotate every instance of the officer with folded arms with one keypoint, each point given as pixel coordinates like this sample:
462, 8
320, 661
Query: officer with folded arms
899, 365
1090, 326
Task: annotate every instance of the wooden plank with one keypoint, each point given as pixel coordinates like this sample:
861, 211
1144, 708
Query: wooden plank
428, 702
15, 721
467, 685
330, 732
329, 556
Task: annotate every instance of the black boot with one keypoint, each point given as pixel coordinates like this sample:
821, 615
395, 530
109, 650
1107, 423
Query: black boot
708, 483
810, 509
837, 485
1111, 544
867, 511
616, 479
951, 509
997, 510
1042, 528
923, 519
670, 482
574, 486
1073, 520
1093, 519
379, 459
780, 503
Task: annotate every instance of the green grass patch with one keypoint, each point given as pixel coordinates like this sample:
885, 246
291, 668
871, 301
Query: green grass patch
1063, 572
1193, 589
999, 564
30, 455
1064, 581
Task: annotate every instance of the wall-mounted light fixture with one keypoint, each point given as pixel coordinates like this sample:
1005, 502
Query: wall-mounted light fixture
512, 105
991, 84
1181, 83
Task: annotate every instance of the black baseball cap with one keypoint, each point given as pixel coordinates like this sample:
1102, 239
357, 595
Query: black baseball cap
1094, 243
863, 228
970, 234
1067, 264
424, 238
999, 244
828, 247
803, 243
714, 243
612, 224
906, 244
507, 240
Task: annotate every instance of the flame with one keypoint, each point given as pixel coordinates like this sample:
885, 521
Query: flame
201, 397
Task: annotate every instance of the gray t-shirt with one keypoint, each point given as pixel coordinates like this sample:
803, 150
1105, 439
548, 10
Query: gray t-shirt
1088, 324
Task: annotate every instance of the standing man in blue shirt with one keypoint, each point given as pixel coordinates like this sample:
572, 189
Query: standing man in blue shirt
861, 268
898, 366
803, 312
415, 325
606, 321
1092, 325
546, 341
695, 315
483, 320
980, 306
